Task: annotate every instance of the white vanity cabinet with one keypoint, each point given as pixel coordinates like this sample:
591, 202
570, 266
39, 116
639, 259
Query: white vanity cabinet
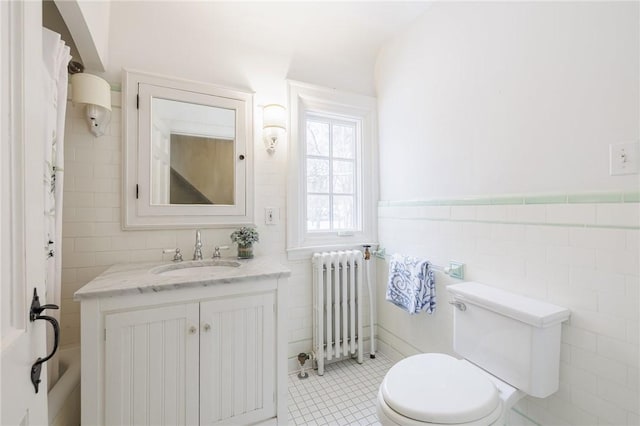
209, 354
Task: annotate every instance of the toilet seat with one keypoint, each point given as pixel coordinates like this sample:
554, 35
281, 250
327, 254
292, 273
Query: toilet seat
388, 417
439, 389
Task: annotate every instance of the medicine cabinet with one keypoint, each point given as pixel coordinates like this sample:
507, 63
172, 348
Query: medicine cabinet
187, 153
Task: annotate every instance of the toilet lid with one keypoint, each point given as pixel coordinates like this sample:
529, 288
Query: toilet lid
439, 388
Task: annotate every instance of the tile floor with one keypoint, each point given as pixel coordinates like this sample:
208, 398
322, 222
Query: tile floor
345, 395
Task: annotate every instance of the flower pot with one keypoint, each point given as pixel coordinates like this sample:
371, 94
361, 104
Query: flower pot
245, 251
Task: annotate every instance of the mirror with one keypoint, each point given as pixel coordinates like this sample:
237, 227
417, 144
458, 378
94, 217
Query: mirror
192, 153
187, 154
201, 170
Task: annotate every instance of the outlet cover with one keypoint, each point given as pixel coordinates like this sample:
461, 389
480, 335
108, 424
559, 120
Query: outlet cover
623, 158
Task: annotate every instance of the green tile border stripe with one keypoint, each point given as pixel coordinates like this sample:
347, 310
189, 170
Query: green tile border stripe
631, 197
578, 198
596, 198
514, 222
546, 199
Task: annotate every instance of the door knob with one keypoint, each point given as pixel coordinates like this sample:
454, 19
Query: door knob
193, 329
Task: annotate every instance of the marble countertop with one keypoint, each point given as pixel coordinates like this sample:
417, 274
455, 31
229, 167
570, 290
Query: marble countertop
138, 278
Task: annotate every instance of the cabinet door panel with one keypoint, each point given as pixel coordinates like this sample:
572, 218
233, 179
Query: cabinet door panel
152, 366
237, 360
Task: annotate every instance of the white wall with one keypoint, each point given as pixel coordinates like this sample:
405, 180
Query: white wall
495, 120
509, 98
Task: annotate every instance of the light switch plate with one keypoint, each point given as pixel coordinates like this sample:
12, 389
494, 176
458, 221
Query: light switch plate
623, 158
271, 216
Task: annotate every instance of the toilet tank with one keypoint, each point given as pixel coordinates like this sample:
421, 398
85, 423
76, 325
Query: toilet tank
515, 338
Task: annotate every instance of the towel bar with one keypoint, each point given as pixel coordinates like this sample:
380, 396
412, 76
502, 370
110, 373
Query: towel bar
454, 270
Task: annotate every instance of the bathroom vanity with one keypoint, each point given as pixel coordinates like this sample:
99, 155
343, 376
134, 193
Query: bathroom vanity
201, 342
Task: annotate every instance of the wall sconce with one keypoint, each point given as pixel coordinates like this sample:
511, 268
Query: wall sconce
95, 93
274, 125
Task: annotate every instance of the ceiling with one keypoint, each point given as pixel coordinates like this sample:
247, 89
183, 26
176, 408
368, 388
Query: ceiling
307, 26
240, 43
302, 37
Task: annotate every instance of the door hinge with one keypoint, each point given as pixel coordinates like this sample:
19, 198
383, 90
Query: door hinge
137, 191
137, 101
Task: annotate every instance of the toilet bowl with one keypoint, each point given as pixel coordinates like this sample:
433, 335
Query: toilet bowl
437, 389
510, 347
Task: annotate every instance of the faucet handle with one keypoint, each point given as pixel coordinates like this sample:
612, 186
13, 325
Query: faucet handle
177, 255
216, 251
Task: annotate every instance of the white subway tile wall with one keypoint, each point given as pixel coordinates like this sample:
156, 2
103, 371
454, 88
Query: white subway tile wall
93, 239
581, 256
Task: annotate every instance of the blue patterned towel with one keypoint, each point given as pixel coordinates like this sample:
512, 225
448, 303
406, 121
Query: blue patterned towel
411, 284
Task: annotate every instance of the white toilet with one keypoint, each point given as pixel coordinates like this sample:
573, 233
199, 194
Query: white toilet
511, 348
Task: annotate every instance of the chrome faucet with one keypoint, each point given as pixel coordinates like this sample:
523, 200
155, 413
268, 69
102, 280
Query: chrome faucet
197, 253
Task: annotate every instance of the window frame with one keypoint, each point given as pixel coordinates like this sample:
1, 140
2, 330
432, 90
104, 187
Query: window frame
306, 99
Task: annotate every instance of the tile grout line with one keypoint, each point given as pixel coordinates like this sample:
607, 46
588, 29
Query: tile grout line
344, 395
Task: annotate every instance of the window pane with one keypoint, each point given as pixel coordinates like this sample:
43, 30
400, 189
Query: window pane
343, 213
318, 213
343, 177
344, 141
317, 138
317, 175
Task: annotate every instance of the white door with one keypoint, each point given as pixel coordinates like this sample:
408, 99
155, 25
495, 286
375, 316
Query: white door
22, 255
151, 375
237, 360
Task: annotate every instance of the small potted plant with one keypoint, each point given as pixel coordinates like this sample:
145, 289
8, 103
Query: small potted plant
245, 237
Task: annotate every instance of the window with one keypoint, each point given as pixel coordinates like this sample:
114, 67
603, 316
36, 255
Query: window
332, 195
332, 181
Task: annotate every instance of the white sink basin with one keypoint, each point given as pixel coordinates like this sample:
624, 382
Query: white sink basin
196, 268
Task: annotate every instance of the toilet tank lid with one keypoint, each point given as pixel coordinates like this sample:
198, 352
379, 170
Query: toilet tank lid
531, 311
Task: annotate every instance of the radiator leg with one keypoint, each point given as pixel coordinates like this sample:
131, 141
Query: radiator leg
302, 358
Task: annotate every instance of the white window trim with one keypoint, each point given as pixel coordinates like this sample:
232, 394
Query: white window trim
307, 97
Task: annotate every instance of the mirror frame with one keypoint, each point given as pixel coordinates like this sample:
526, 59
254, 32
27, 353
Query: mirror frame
138, 212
